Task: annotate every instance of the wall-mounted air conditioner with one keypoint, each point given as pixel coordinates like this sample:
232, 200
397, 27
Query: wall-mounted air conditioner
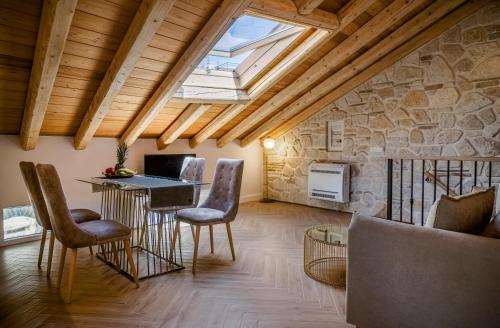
329, 181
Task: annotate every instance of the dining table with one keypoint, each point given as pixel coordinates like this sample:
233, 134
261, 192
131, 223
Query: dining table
146, 204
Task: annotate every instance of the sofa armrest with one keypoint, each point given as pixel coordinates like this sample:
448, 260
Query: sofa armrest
400, 275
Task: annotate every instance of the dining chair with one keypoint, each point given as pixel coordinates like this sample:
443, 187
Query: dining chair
192, 170
220, 207
75, 236
35, 194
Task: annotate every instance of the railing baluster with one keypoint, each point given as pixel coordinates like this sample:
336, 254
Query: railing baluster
447, 177
401, 193
461, 175
389, 189
435, 179
411, 193
423, 193
489, 175
475, 173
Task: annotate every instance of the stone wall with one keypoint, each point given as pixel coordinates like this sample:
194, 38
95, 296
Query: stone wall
441, 100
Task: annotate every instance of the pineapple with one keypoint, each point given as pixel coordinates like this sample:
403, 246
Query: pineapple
121, 156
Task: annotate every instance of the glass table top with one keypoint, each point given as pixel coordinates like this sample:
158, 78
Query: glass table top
329, 234
140, 182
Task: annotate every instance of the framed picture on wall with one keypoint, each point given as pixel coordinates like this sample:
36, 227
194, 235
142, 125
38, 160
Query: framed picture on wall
335, 133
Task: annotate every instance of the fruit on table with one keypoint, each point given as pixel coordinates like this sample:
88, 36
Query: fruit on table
125, 171
110, 171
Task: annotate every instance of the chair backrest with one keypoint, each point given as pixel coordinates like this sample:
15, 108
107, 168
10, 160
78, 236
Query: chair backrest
66, 230
35, 194
226, 185
192, 169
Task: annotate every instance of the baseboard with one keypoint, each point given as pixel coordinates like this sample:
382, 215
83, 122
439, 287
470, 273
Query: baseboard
250, 198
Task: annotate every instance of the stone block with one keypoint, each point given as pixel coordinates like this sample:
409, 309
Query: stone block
471, 102
380, 122
470, 122
486, 146
448, 136
487, 116
444, 97
438, 71
452, 52
416, 136
464, 148
489, 68
415, 98
447, 120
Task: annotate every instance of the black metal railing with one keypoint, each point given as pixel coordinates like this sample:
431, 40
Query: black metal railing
420, 182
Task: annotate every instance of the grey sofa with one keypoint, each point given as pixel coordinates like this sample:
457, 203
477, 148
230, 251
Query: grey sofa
400, 275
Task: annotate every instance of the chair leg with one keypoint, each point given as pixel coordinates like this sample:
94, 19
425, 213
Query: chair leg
71, 276
192, 231
42, 246
211, 229
115, 254
62, 258
130, 259
230, 237
195, 251
103, 250
91, 250
51, 252
177, 232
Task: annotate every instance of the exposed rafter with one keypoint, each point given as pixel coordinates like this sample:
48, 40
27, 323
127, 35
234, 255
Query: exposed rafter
192, 113
347, 14
267, 81
411, 28
52, 34
306, 7
366, 34
216, 26
467, 9
285, 10
146, 22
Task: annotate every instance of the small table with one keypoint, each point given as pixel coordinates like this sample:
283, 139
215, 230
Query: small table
325, 253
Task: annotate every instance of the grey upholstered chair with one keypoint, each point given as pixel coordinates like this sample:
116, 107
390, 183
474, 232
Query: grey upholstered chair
35, 194
74, 236
221, 205
192, 170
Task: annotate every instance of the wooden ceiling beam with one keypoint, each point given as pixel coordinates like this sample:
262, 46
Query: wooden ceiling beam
146, 22
54, 28
449, 21
190, 115
408, 30
306, 7
356, 41
216, 26
285, 11
285, 66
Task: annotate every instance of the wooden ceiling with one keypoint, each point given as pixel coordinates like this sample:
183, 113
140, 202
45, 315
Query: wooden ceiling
110, 68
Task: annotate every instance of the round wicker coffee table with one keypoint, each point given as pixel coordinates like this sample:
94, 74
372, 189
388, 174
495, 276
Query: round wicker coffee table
325, 253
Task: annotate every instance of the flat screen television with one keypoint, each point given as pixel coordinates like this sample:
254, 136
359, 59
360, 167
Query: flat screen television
165, 165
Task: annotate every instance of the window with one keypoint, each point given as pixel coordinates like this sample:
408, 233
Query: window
243, 37
19, 222
247, 47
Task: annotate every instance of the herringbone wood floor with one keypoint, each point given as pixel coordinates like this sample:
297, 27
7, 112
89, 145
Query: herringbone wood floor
265, 287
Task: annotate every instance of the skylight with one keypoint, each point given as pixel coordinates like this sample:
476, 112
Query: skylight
235, 45
249, 46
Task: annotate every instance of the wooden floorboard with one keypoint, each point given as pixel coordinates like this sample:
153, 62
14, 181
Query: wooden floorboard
265, 286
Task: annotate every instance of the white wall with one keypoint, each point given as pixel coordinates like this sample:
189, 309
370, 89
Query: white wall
100, 154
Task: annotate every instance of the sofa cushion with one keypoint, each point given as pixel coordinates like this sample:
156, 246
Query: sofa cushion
492, 230
469, 213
